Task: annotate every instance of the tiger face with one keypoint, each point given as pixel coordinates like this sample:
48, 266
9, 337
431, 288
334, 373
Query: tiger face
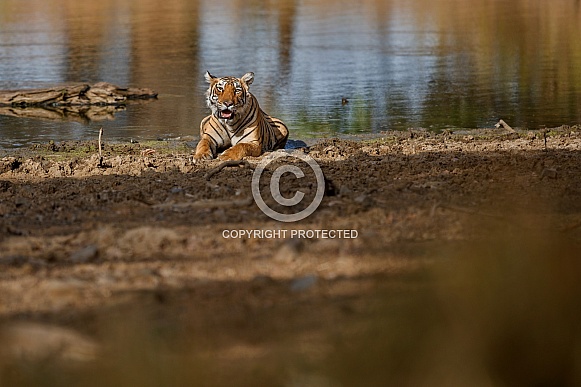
227, 96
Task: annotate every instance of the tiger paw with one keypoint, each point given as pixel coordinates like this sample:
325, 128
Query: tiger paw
201, 157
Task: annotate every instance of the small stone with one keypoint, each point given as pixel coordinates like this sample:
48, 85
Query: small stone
361, 198
303, 283
84, 255
344, 190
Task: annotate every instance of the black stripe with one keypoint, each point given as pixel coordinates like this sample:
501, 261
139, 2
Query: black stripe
236, 131
249, 117
246, 135
217, 132
224, 129
271, 137
213, 125
213, 139
217, 126
202, 124
241, 124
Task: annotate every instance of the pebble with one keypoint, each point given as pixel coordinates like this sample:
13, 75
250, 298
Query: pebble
84, 255
303, 283
344, 190
361, 198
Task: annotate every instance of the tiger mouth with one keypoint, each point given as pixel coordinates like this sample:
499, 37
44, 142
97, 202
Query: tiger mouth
225, 114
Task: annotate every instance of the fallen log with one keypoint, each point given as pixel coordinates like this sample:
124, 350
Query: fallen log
101, 93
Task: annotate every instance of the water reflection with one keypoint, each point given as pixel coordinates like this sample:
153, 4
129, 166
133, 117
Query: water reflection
83, 114
401, 64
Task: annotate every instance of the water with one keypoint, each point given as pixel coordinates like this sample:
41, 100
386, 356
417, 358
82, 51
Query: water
399, 63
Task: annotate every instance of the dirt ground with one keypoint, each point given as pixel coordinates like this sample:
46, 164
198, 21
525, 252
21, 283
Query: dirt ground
136, 254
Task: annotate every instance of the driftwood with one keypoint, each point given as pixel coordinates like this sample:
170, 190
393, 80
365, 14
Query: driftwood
81, 102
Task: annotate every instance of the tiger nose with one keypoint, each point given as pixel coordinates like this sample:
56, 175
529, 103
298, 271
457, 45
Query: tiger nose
228, 104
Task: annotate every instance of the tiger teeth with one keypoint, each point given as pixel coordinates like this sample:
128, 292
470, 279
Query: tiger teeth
226, 114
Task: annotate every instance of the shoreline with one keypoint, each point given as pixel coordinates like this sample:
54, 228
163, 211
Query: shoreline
476, 133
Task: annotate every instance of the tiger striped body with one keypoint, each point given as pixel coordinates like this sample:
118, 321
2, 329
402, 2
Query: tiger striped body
237, 125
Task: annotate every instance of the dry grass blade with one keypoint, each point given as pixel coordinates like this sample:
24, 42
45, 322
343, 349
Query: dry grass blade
100, 147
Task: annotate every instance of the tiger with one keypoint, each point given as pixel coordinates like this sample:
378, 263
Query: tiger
237, 127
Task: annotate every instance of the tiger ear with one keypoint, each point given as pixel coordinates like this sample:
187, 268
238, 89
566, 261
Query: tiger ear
247, 78
209, 77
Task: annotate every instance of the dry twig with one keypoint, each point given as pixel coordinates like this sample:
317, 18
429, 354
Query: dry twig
224, 164
545, 139
100, 148
505, 126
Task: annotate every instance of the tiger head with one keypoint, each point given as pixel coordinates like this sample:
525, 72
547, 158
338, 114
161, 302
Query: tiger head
227, 96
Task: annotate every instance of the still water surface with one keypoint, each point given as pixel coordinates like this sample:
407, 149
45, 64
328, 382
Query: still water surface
400, 63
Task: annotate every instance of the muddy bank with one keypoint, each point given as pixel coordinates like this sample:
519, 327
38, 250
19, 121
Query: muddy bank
80, 242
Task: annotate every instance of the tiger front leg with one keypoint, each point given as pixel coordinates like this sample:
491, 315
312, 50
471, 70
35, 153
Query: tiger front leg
204, 150
241, 150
